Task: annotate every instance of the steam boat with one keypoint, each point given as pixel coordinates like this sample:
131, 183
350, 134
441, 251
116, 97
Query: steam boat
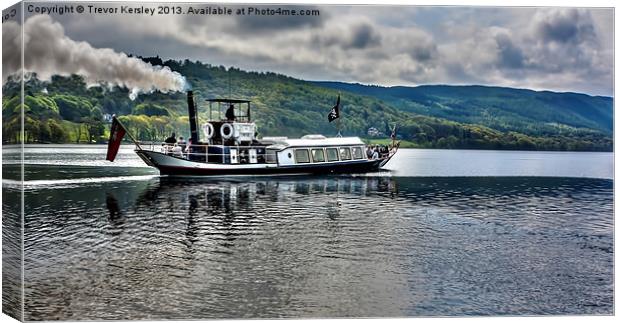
229, 146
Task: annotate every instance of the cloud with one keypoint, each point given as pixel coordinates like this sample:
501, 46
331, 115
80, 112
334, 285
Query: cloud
355, 36
565, 25
364, 36
553, 49
424, 50
541, 48
566, 42
510, 55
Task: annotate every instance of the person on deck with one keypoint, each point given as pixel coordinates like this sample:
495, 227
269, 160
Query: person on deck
383, 151
188, 149
181, 143
375, 153
169, 143
172, 139
176, 151
230, 113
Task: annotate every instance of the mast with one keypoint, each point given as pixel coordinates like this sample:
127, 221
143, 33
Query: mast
338, 127
338, 120
229, 85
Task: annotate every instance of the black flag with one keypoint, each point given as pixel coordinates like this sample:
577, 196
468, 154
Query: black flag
335, 112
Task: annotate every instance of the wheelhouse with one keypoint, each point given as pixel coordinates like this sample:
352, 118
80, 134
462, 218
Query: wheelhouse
241, 110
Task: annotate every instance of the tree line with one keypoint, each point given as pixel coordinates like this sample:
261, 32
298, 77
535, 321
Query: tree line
65, 110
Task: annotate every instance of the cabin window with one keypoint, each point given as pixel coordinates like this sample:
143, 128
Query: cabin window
270, 156
345, 153
302, 156
332, 154
357, 153
318, 156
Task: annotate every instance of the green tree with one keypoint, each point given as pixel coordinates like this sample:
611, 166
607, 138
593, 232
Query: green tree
45, 133
150, 109
94, 128
73, 108
31, 129
57, 132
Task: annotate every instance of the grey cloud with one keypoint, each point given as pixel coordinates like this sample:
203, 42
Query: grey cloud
458, 75
424, 52
359, 36
525, 47
565, 42
568, 25
364, 36
193, 24
510, 55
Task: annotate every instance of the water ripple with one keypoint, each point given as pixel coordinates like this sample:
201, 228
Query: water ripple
319, 247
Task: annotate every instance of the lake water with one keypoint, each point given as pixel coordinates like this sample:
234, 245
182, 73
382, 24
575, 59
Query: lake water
444, 233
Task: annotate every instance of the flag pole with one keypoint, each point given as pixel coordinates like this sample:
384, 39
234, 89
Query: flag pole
393, 135
338, 127
127, 132
338, 121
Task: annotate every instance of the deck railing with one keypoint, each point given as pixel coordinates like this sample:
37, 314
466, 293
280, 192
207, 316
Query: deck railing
196, 152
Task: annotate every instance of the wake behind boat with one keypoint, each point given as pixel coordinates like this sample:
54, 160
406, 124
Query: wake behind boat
229, 146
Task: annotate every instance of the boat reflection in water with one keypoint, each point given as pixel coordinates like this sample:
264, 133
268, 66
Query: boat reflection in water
242, 204
331, 246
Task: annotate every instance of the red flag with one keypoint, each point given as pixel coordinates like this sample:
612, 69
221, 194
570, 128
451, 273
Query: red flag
117, 132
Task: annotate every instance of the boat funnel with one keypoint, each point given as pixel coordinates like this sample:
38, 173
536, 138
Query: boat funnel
193, 123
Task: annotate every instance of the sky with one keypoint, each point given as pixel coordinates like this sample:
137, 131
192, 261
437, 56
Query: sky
558, 49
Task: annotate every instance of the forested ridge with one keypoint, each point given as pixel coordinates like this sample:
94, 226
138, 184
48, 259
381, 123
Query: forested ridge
66, 110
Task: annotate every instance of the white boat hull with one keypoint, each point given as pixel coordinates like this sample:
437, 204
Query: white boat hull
170, 165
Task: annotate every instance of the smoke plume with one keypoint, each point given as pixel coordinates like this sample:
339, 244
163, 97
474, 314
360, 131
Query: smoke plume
48, 51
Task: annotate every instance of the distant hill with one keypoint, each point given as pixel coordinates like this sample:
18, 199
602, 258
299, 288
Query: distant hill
500, 108
65, 110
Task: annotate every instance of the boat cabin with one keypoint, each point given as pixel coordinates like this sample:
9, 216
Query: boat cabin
314, 149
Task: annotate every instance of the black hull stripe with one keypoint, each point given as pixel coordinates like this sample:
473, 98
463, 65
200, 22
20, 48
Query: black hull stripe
310, 169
